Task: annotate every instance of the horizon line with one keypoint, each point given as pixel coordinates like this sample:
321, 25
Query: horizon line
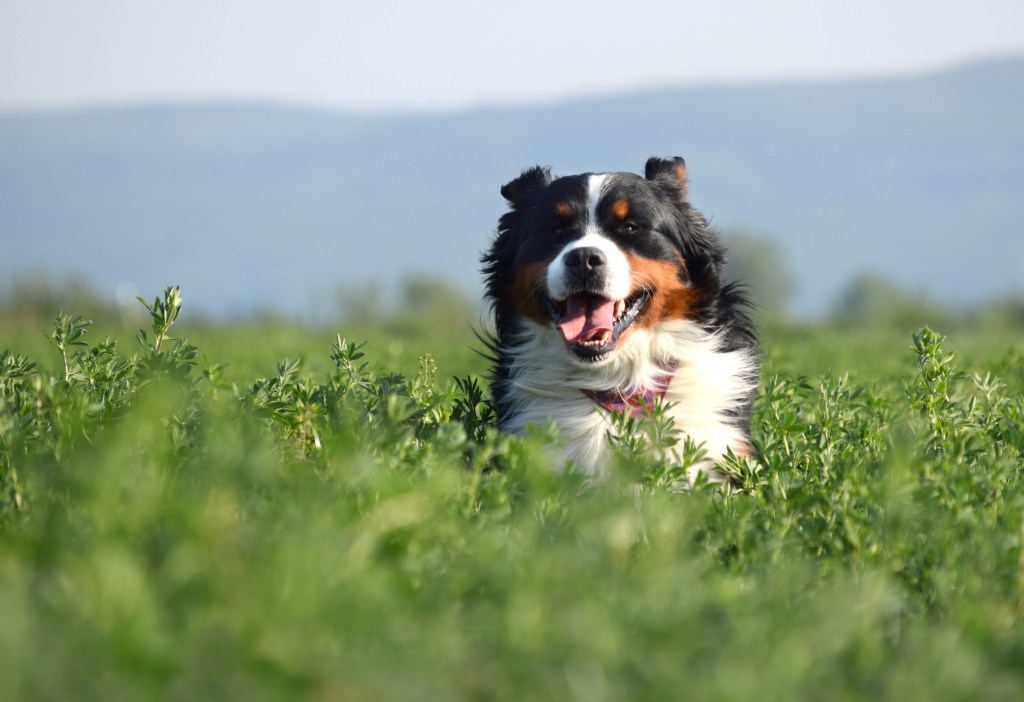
510, 104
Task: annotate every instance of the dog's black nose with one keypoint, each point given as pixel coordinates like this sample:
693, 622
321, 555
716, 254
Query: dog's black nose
584, 260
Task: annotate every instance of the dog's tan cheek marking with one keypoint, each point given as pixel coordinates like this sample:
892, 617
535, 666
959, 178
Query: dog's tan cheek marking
672, 299
523, 293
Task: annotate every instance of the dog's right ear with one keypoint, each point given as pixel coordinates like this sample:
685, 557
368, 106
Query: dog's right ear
532, 179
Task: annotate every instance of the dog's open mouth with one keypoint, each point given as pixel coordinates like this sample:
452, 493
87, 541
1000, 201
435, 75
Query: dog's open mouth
591, 324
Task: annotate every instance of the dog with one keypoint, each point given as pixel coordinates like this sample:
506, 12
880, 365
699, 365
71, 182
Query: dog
608, 295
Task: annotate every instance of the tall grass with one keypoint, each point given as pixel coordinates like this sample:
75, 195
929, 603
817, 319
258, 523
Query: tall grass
360, 534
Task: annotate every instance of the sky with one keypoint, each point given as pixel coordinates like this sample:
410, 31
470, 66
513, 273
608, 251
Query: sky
456, 54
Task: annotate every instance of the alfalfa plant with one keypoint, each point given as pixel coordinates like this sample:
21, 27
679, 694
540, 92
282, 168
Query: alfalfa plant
17, 425
68, 333
176, 361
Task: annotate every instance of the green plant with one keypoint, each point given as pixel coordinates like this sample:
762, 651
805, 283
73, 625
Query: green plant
354, 532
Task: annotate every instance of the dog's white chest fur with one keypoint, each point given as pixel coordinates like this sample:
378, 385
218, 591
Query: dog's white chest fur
547, 386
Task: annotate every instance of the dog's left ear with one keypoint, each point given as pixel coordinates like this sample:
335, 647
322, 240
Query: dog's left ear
669, 171
531, 179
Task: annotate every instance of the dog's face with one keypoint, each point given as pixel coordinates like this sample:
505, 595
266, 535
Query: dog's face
598, 257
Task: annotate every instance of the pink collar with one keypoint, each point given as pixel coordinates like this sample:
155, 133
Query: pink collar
637, 403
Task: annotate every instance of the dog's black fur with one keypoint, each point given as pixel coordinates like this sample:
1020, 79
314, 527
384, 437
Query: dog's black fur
648, 223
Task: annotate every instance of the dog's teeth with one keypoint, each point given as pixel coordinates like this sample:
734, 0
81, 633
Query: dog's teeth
598, 341
620, 307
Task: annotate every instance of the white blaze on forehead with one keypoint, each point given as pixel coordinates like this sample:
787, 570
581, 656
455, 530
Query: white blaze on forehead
594, 187
617, 279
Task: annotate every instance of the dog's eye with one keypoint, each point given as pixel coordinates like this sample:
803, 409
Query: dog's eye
629, 227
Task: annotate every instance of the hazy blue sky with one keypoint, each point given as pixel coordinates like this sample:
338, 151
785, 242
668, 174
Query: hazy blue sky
454, 53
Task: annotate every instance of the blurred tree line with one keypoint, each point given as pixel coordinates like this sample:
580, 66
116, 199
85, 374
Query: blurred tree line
424, 304
868, 300
421, 303
758, 264
34, 299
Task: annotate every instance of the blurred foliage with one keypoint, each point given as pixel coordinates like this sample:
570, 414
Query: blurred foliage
1006, 313
359, 533
37, 298
422, 304
756, 262
873, 303
870, 300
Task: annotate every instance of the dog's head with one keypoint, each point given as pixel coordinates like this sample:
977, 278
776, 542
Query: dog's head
600, 256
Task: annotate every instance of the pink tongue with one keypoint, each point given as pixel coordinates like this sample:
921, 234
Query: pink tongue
586, 316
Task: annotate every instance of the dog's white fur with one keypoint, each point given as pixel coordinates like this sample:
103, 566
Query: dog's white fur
618, 284
547, 385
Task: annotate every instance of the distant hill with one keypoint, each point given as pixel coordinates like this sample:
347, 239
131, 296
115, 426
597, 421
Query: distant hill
918, 179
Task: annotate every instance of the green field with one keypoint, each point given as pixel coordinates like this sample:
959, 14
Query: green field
201, 519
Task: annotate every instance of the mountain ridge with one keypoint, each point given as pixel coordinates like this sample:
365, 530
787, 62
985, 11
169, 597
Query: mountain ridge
919, 179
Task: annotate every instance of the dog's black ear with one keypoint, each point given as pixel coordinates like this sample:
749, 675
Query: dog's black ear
531, 179
670, 171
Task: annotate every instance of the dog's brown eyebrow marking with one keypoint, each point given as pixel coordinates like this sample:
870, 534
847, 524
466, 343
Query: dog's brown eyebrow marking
620, 208
563, 209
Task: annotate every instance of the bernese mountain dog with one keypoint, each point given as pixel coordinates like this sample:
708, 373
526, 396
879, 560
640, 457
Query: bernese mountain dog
608, 294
